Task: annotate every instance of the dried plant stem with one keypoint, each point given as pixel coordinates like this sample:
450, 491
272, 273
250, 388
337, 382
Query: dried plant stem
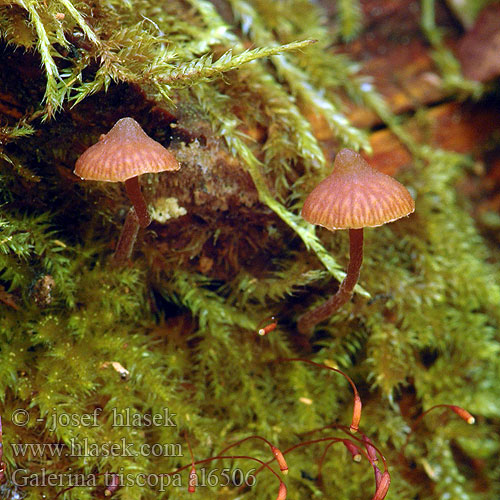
311, 318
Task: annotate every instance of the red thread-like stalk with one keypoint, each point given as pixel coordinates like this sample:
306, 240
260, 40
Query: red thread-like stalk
461, 412
276, 452
356, 415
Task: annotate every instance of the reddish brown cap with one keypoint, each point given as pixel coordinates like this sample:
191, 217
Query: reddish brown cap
124, 152
356, 195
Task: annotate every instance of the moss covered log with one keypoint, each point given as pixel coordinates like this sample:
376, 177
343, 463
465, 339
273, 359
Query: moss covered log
254, 98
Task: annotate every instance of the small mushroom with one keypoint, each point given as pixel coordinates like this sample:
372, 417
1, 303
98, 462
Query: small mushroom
354, 196
122, 155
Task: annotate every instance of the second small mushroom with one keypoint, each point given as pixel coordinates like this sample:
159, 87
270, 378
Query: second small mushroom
122, 155
354, 196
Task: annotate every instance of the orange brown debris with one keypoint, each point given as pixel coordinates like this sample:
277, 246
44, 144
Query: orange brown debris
8, 298
451, 126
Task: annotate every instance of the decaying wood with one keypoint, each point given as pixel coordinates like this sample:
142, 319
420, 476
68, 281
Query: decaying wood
463, 128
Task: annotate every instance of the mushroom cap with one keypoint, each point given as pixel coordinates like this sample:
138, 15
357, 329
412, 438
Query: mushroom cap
125, 151
356, 195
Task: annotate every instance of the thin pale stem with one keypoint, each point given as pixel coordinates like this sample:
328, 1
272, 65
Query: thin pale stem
127, 238
311, 318
134, 193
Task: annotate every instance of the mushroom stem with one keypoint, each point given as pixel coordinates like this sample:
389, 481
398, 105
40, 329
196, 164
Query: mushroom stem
127, 238
311, 318
134, 193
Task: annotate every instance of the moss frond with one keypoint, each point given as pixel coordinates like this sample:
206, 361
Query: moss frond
350, 17
40, 245
275, 288
448, 65
21, 129
203, 70
298, 81
77, 16
53, 97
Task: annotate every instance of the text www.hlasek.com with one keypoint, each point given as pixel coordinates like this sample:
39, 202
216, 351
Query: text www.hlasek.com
84, 448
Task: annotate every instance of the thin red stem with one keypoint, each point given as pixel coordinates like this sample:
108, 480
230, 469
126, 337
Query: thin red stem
189, 447
323, 456
311, 318
463, 414
243, 440
276, 452
330, 439
347, 430
356, 416
134, 193
230, 457
193, 478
